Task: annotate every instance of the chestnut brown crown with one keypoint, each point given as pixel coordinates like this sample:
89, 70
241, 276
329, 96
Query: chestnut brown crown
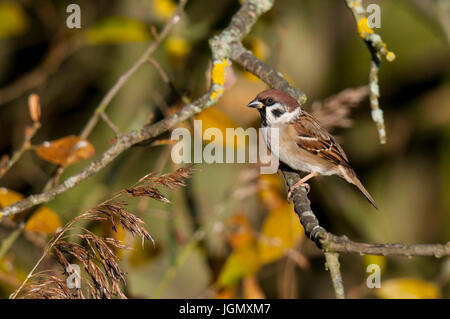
271, 96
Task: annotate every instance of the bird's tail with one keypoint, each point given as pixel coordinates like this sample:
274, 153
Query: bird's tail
351, 177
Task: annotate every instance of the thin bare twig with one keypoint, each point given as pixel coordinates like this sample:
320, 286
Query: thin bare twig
26, 145
120, 82
239, 26
123, 79
50, 64
111, 125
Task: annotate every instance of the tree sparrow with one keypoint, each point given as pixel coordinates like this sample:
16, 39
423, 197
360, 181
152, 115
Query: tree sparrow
303, 144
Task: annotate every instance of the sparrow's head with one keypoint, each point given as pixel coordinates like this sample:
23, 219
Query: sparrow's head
276, 107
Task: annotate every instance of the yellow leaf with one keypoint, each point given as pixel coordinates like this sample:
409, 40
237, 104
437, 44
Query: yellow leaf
408, 288
115, 30
251, 289
271, 190
141, 256
44, 221
281, 230
8, 197
177, 47
66, 151
164, 9
213, 118
239, 231
374, 259
241, 263
106, 229
13, 20
227, 293
11, 273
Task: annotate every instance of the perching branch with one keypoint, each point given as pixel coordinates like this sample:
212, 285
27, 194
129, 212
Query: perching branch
330, 242
378, 50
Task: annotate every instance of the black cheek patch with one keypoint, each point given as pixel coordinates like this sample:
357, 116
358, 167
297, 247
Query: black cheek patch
262, 112
277, 113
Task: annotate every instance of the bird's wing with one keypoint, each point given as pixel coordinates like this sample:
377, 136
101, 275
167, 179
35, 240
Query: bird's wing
313, 138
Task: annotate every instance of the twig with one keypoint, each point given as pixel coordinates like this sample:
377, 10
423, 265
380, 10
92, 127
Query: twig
123, 79
46, 251
53, 59
240, 25
378, 49
167, 80
111, 125
330, 242
160, 70
219, 213
332, 263
26, 145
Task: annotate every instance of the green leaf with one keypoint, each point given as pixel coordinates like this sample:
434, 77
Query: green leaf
113, 30
13, 20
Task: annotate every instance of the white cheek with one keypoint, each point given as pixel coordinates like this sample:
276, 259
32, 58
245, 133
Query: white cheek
286, 117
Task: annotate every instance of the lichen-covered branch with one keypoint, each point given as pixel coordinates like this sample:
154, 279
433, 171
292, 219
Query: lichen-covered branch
330, 242
378, 50
333, 266
221, 48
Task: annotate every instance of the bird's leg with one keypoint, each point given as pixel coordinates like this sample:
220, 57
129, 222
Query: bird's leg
301, 183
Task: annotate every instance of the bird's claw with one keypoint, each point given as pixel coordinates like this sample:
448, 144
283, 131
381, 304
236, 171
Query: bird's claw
305, 185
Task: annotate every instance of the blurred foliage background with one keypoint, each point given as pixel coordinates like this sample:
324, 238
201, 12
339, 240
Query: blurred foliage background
230, 232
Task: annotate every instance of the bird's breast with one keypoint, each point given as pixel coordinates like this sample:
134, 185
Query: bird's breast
292, 155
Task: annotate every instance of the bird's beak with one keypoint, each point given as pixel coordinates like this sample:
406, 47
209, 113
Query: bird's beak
256, 104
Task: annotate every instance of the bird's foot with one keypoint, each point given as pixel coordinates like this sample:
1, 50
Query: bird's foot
291, 189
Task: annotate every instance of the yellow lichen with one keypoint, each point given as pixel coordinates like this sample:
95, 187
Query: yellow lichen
218, 72
390, 56
363, 28
215, 94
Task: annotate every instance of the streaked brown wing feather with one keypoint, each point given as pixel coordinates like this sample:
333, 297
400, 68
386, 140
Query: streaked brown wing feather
313, 138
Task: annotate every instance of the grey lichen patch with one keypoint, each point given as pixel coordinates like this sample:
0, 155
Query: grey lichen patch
374, 88
220, 46
261, 6
70, 182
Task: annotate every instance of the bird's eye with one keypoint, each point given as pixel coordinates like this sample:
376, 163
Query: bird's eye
269, 101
